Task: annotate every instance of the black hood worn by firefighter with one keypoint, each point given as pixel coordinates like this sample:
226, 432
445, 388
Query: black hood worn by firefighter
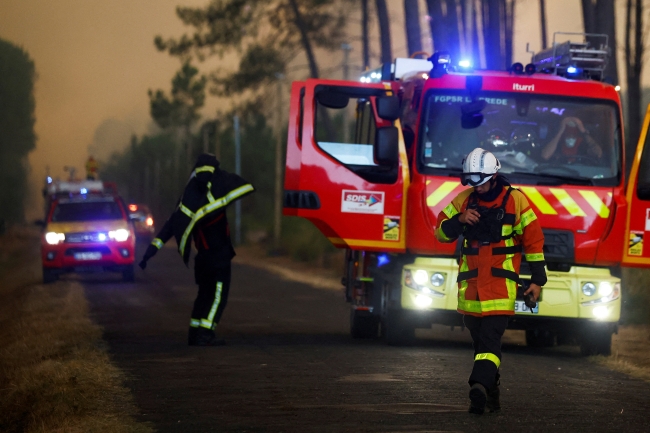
200, 217
497, 226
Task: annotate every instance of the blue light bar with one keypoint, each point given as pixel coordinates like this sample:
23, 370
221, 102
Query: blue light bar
382, 259
465, 64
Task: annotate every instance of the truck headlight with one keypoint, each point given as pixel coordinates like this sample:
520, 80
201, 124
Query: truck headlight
607, 291
601, 312
605, 288
420, 277
437, 279
588, 289
54, 238
422, 301
120, 235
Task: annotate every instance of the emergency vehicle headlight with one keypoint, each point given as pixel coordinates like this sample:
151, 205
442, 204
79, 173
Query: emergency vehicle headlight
605, 288
149, 222
437, 279
422, 301
465, 64
101, 237
420, 277
120, 235
601, 312
54, 238
589, 289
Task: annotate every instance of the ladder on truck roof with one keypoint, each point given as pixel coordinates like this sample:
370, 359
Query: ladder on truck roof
586, 59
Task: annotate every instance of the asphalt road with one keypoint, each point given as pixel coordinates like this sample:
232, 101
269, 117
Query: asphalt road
291, 366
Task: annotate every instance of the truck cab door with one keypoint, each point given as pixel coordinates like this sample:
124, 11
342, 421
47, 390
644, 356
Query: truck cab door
346, 166
636, 251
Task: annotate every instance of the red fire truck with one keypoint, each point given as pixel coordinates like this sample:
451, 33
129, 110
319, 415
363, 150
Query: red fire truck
376, 190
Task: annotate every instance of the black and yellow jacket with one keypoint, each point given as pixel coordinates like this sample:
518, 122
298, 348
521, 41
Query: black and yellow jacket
207, 194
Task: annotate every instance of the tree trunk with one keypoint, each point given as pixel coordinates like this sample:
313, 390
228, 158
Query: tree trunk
451, 28
412, 24
606, 23
492, 34
589, 15
634, 66
508, 21
436, 25
306, 44
364, 35
384, 31
542, 22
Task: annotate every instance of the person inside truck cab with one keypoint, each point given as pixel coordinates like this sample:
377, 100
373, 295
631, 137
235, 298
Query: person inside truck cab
498, 226
572, 142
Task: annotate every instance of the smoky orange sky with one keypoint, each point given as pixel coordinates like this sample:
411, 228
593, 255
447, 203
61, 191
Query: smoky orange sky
96, 60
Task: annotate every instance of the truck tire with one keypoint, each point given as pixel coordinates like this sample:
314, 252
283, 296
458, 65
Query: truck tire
539, 338
128, 274
597, 342
49, 276
363, 324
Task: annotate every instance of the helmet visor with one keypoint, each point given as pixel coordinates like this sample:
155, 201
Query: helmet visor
475, 179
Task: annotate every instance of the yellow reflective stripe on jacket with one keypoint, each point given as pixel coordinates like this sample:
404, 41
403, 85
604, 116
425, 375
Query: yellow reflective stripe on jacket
484, 306
158, 243
194, 323
527, 218
210, 196
488, 357
511, 286
204, 168
537, 257
441, 234
210, 207
450, 211
185, 210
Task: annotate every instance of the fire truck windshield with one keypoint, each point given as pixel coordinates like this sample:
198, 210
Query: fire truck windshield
75, 211
537, 138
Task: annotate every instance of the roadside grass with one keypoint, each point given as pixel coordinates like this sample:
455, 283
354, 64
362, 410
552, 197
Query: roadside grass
55, 373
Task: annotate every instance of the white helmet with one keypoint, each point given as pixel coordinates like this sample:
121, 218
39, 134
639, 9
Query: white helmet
478, 167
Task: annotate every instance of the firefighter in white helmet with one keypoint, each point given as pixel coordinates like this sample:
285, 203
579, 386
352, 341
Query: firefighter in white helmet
497, 225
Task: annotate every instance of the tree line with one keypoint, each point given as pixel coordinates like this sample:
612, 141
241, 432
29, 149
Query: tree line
274, 40
17, 136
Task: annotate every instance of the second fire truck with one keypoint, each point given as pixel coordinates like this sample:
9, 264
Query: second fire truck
377, 190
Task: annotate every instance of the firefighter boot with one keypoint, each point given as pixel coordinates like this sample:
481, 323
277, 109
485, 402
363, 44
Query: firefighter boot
206, 337
493, 404
477, 398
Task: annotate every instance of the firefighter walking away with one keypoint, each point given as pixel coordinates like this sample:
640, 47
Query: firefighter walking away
496, 225
200, 216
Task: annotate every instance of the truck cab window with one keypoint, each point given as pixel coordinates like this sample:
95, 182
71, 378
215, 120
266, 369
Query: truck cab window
352, 144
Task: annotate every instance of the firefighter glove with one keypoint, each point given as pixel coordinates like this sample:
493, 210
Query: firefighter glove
151, 251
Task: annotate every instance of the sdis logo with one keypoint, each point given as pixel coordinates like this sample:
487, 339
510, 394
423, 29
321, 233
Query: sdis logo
362, 202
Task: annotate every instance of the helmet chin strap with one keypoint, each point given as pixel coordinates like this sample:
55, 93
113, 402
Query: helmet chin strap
493, 192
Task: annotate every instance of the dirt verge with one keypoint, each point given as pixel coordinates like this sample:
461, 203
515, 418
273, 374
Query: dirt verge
55, 373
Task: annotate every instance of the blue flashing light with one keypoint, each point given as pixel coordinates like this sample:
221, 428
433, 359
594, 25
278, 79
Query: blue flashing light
49, 179
84, 191
571, 70
382, 259
465, 64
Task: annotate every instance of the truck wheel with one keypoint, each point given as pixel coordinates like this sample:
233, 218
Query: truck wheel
128, 274
363, 325
396, 330
598, 342
539, 338
49, 276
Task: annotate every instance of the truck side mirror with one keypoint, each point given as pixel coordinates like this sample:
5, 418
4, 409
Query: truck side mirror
386, 146
388, 107
334, 100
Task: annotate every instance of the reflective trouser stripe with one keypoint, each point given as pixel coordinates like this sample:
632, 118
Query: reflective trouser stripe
208, 323
157, 242
488, 357
194, 323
